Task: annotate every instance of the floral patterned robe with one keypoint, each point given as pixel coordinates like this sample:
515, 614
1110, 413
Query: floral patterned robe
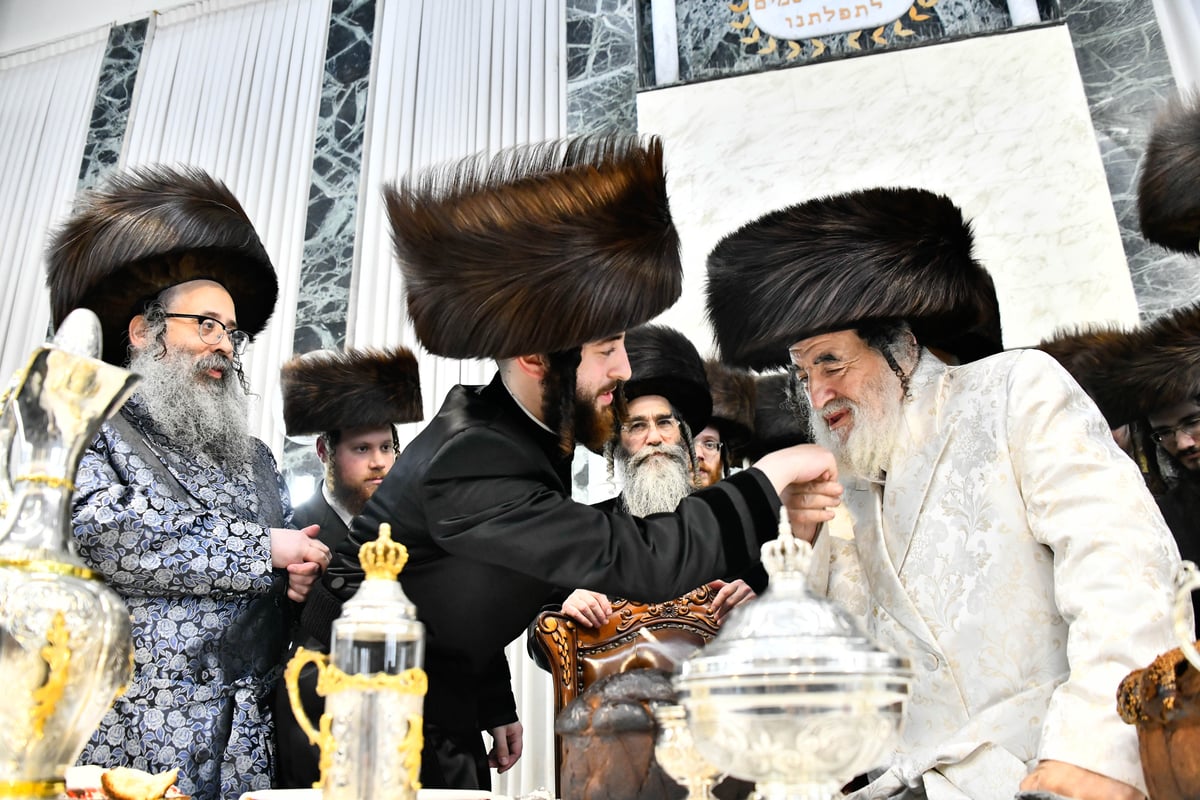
195, 572
1015, 555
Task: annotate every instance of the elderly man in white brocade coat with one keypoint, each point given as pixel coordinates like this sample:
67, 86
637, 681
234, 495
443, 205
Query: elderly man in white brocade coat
1002, 541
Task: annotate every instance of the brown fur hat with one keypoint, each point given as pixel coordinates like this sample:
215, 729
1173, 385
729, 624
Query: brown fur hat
147, 230
330, 390
543, 248
664, 362
776, 424
1132, 374
835, 263
1169, 189
733, 398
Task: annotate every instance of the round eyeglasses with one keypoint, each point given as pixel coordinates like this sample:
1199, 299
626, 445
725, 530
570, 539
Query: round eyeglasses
710, 446
212, 331
638, 429
1190, 428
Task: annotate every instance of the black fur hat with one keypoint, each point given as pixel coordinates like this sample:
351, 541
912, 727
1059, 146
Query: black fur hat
1132, 374
662, 361
333, 390
147, 230
733, 398
776, 424
541, 249
1169, 189
838, 262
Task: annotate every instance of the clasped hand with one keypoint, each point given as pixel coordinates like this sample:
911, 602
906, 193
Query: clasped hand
302, 555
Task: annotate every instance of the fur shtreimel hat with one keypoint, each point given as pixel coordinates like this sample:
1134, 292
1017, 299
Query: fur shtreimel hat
776, 425
663, 362
1132, 374
841, 262
147, 230
733, 399
1169, 189
541, 249
330, 390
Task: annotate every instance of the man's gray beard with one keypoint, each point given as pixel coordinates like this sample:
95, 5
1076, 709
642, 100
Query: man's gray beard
877, 420
654, 485
196, 413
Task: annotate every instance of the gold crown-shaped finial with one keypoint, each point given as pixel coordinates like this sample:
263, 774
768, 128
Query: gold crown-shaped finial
383, 559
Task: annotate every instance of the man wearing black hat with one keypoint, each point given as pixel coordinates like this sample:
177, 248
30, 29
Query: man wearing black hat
668, 397
176, 505
1002, 541
352, 401
539, 259
731, 425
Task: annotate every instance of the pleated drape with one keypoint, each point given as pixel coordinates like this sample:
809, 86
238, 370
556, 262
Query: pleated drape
234, 88
45, 106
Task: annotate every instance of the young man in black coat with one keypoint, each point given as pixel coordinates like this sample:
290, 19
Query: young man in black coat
352, 401
539, 259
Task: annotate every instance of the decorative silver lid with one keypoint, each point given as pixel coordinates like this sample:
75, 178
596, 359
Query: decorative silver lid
789, 631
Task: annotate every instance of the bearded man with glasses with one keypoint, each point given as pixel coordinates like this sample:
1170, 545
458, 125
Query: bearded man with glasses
653, 453
181, 510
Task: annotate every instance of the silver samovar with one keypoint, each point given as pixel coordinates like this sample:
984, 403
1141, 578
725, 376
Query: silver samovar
65, 650
791, 693
371, 733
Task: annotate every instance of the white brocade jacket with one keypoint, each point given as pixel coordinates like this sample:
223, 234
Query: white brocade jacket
1015, 555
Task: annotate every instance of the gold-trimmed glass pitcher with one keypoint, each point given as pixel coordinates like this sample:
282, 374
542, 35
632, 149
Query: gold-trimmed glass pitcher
370, 735
65, 650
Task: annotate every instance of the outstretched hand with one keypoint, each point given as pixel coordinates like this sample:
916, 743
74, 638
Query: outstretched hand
1069, 780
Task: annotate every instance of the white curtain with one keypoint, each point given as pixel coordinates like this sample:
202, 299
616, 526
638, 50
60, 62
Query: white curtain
1180, 24
46, 98
233, 87
451, 79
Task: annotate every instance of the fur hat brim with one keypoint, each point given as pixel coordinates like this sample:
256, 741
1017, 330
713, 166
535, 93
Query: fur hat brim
841, 262
733, 395
541, 249
147, 230
1169, 187
664, 362
331, 391
1132, 374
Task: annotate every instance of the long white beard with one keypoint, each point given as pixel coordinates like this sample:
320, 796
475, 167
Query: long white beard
196, 413
656, 479
866, 451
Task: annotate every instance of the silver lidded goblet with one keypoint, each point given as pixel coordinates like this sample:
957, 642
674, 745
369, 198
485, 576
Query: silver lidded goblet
677, 755
792, 694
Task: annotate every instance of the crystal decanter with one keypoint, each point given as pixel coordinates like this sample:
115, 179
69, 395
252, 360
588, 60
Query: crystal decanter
65, 650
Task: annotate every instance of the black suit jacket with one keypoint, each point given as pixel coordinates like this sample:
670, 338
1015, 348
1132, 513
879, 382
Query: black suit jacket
482, 500
317, 511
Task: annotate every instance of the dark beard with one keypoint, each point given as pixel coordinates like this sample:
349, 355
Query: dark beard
576, 420
351, 499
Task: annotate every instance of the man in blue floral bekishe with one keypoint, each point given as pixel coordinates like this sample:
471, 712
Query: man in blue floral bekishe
180, 509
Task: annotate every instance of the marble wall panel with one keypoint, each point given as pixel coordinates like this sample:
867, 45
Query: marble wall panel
1126, 77
601, 66
1000, 124
720, 39
324, 296
114, 93
337, 163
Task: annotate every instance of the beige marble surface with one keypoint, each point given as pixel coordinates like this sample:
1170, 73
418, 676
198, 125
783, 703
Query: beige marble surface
1000, 124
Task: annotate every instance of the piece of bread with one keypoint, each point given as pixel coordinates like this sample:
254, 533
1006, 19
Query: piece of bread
124, 783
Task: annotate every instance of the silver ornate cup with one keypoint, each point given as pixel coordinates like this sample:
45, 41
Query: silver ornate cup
792, 694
